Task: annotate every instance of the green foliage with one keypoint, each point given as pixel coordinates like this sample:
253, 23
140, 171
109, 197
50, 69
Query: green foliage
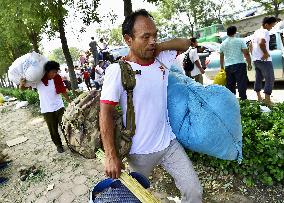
273, 7
23, 95
113, 35
57, 55
29, 95
116, 36
198, 13
263, 146
32, 97
20, 26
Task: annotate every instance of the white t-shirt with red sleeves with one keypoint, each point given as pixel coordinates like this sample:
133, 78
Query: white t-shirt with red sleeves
153, 131
49, 100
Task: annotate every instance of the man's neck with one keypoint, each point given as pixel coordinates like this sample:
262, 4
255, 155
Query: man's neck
263, 28
144, 62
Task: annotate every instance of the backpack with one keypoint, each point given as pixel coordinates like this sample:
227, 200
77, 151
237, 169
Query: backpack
80, 122
188, 65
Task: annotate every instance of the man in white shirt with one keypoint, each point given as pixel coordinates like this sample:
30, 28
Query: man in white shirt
198, 70
262, 60
154, 142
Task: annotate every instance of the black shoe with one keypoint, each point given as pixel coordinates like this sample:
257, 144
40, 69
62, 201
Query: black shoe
60, 149
4, 165
3, 180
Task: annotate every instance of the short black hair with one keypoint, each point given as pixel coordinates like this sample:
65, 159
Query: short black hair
193, 40
92, 38
231, 30
51, 65
101, 40
269, 20
128, 23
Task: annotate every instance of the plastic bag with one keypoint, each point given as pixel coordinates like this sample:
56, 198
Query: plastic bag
2, 100
28, 66
205, 119
220, 78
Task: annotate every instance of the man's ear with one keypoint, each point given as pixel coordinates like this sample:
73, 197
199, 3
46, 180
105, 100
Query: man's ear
127, 39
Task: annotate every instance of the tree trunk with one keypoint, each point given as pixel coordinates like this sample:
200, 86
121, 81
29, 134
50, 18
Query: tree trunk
191, 29
127, 7
2, 84
34, 39
10, 84
69, 61
3, 81
276, 10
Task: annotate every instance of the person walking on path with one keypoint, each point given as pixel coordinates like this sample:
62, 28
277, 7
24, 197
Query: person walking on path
154, 142
198, 70
232, 53
86, 77
262, 59
94, 49
51, 104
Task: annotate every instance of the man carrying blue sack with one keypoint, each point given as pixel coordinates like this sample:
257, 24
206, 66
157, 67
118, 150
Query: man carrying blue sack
154, 142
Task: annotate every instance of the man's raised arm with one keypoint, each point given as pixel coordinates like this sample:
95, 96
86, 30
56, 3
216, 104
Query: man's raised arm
178, 44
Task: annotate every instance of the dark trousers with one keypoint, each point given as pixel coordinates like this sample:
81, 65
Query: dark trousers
264, 70
237, 74
53, 120
88, 83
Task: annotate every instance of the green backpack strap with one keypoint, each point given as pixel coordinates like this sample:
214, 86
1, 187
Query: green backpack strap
128, 82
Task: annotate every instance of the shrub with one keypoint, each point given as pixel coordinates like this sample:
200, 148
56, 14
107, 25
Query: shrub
32, 97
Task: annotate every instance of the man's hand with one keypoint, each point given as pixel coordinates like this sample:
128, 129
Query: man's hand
249, 67
265, 57
158, 49
22, 83
113, 167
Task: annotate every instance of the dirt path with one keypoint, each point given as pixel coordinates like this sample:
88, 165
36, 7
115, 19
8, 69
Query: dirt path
73, 176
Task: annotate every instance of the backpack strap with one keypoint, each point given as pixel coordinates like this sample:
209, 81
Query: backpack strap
128, 82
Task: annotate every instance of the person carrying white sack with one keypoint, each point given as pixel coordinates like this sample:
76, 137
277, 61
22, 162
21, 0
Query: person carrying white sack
51, 104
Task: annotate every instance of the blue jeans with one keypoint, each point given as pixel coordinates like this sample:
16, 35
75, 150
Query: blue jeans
264, 70
237, 74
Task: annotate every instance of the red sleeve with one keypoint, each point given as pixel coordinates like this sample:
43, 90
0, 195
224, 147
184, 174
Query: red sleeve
59, 85
109, 102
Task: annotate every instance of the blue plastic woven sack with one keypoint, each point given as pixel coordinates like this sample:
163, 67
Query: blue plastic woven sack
113, 191
205, 119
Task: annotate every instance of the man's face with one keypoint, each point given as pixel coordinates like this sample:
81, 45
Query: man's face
51, 74
143, 42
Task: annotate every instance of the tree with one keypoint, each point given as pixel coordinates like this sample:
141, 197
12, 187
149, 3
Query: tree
13, 43
58, 55
128, 6
271, 6
29, 16
192, 14
113, 35
57, 12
